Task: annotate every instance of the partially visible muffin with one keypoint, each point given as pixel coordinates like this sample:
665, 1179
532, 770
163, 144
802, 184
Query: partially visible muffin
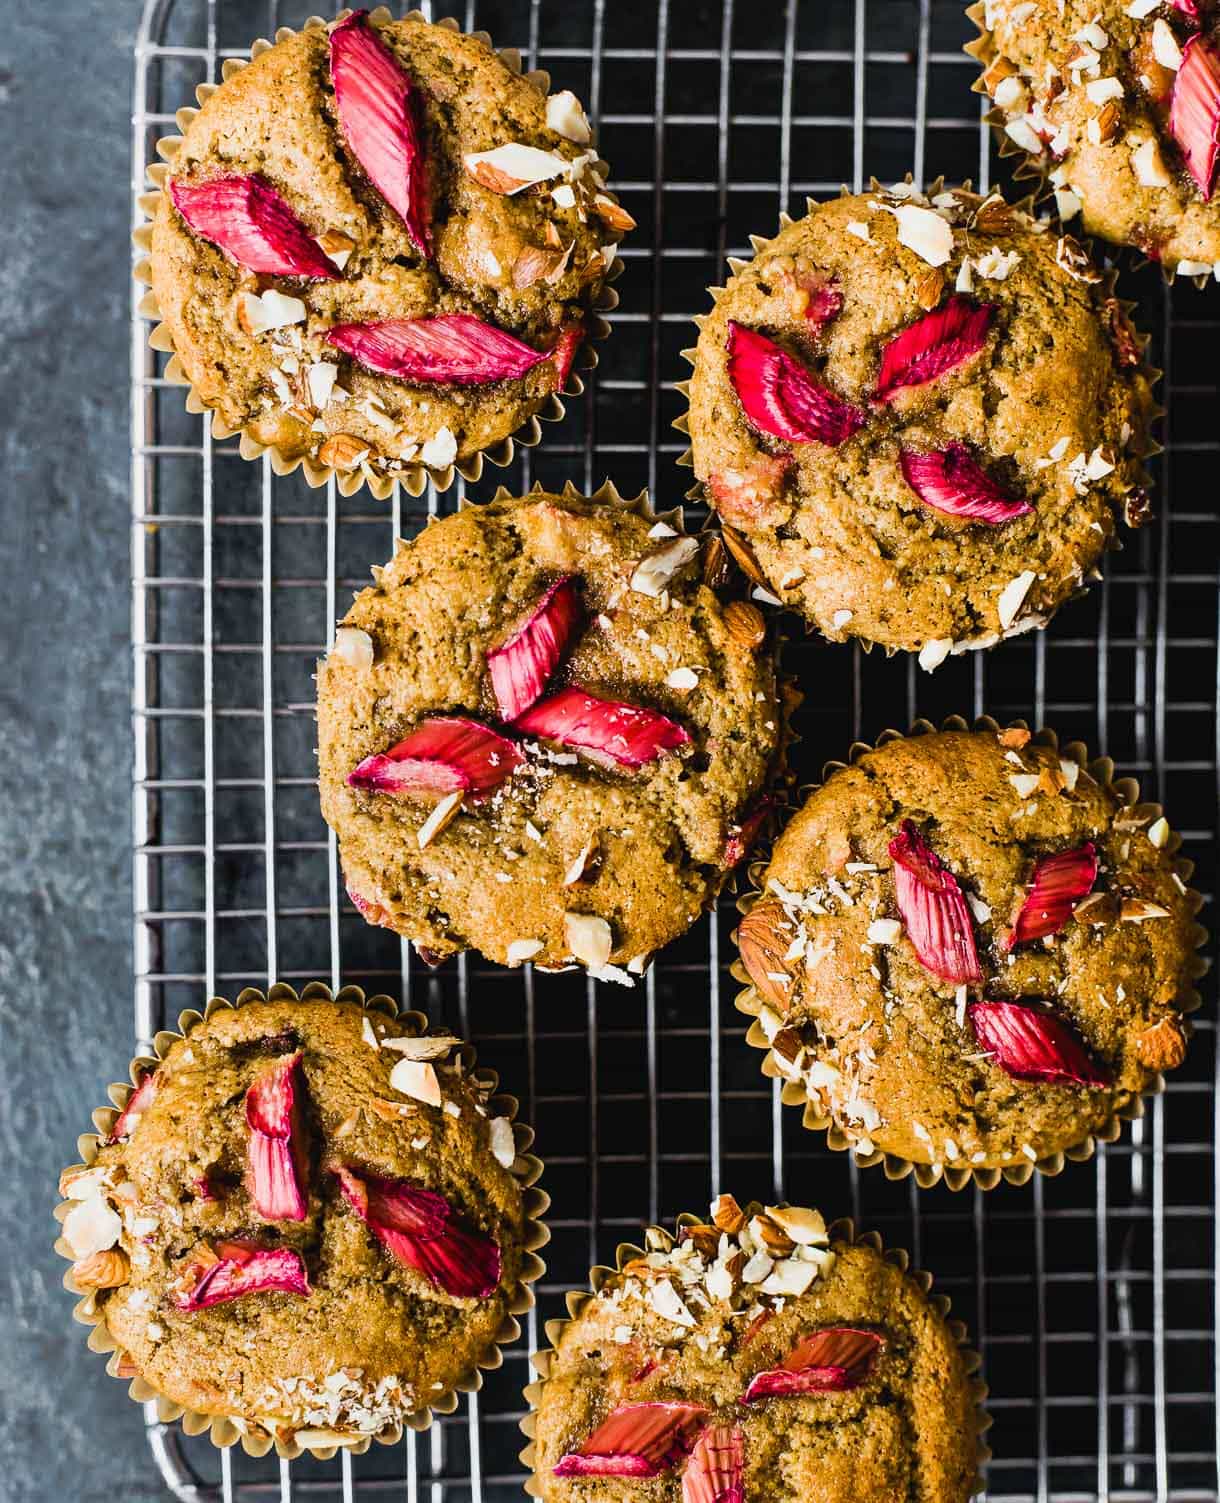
924, 419
972, 952
543, 737
760, 1358
305, 1221
1117, 103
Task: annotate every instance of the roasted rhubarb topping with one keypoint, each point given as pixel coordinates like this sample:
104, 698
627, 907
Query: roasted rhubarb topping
933, 909
240, 1268
606, 731
447, 754
1031, 1044
379, 112
451, 349
636, 1440
521, 667
276, 1158
1059, 882
137, 1104
418, 1228
950, 481
1194, 111
934, 345
780, 395
250, 222
714, 1472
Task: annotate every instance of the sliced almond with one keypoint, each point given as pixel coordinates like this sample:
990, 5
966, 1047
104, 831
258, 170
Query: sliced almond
1163, 1046
336, 245
566, 117
997, 70
588, 938
353, 647
503, 1144
91, 1226
389, 1111
804, 1226
1138, 910
102, 1270
704, 1238
1015, 737
667, 1302
768, 1234
343, 451
1012, 597
430, 1046
417, 1079
657, 568
536, 263
443, 815
521, 950
510, 168
728, 1215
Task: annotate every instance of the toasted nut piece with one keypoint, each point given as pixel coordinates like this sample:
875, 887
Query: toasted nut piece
102, 1270
342, 451
612, 213
536, 263
788, 1044
1109, 122
763, 939
639, 1268
734, 1265
994, 217
1098, 908
705, 1238
389, 1111
728, 1215
804, 1226
1163, 1046
1137, 508
929, 287
715, 563
1136, 910
767, 1234
743, 555
745, 623
125, 1367
1051, 780
589, 938
997, 71
336, 245
1015, 736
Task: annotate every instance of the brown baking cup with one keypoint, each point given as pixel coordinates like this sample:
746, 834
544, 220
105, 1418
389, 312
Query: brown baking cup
738, 545
413, 477
657, 1239
225, 1430
1127, 1106
1037, 170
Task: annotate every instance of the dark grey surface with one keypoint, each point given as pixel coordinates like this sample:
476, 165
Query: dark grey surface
69, 1432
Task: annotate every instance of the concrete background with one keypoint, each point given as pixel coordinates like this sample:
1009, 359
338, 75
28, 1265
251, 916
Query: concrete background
69, 1432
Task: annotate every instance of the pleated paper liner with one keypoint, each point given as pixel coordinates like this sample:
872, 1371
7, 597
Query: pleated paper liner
842, 1232
1036, 170
413, 477
1126, 1107
223, 1430
738, 544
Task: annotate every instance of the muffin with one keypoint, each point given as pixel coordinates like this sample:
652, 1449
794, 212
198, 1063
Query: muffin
1116, 103
378, 248
920, 418
308, 1225
758, 1356
542, 737
971, 953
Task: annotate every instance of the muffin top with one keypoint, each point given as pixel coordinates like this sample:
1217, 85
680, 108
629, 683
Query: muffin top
921, 416
1118, 101
782, 1361
380, 245
543, 737
306, 1219
969, 951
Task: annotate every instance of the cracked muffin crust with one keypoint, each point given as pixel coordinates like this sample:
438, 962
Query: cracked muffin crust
379, 246
541, 736
761, 1356
309, 1219
922, 418
1116, 103
970, 953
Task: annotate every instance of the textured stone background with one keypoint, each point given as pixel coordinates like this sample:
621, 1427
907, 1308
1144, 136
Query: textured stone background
69, 1432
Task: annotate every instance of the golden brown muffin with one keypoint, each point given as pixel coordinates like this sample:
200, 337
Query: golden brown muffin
923, 418
541, 736
972, 952
1116, 103
309, 1219
366, 283
760, 1357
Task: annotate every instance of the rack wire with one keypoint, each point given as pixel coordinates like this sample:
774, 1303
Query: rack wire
1091, 1296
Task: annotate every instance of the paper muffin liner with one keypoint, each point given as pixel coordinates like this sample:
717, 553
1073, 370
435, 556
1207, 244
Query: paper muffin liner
414, 476
224, 1430
1148, 447
1037, 170
657, 1239
1126, 1107
775, 792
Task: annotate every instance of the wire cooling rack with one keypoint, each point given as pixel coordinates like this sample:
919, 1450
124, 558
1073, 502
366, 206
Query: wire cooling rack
1092, 1296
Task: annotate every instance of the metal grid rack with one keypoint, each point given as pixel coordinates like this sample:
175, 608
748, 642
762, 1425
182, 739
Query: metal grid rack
1092, 1296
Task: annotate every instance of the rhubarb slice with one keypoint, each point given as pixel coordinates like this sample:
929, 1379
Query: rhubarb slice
563, 352
933, 909
417, 1227
781, 397
714, 1472
825, 299
276, 1165
779, 1383
636, 1440
373, 913
1030, 1044
1194, 110
242, 1268
521, 667
379, 110
452, 349
847, 1347
614, 734
250, 222
447, 754
933, 345
137, 1104
1059, 883
948, 480
742, 836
